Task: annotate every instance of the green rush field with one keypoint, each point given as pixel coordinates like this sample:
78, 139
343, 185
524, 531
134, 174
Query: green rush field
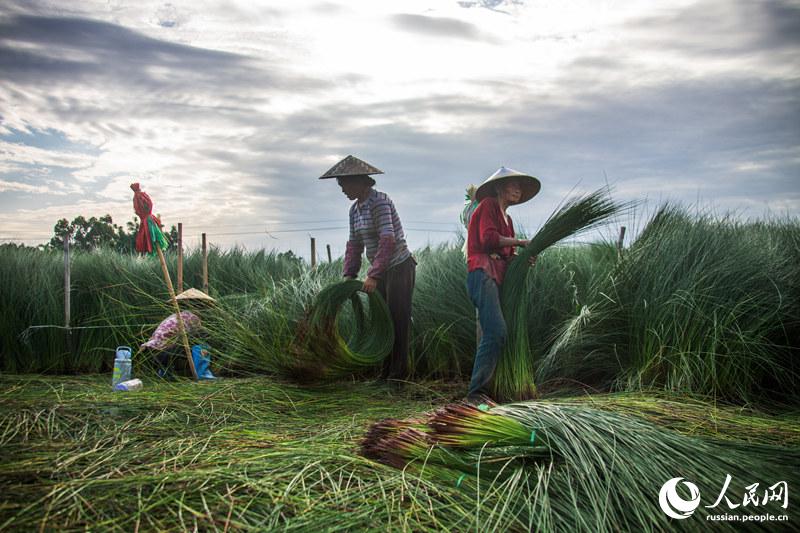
678, 357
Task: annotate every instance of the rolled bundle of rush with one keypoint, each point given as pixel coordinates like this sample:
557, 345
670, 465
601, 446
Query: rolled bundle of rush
319, 348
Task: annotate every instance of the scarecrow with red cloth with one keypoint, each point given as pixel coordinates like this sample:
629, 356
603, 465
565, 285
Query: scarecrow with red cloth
150, 226
150, 239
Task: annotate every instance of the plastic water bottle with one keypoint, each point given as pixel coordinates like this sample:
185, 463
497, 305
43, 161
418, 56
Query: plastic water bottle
130, 385
122, 366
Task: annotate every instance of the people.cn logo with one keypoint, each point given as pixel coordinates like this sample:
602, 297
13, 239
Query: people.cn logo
675, 506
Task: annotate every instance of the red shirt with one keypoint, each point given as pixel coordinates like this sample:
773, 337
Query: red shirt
486, 226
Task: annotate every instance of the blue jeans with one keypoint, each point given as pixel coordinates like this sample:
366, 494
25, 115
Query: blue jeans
485, 296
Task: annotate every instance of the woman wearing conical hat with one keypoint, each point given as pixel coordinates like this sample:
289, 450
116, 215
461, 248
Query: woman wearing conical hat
490, 248
164, 345
375, 226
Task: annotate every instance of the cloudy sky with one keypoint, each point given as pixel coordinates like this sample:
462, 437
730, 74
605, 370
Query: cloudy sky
227, 112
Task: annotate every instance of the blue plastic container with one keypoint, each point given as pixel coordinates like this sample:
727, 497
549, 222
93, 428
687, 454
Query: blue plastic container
122, 365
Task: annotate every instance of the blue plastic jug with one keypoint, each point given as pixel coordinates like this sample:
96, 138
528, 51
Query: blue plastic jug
122, 365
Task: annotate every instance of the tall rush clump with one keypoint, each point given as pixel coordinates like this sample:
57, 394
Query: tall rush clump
443, 329
698, 304
514, 376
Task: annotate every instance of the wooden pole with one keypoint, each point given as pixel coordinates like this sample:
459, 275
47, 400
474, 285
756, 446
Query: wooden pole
66, 282
205, 265
328, 246
67, 293
313, 252
180, 257
621, 239
177, 308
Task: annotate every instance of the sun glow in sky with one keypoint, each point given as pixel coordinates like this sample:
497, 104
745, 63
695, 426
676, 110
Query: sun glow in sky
227, 112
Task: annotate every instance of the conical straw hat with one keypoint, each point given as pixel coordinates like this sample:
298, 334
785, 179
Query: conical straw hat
350, 166
530, 186
194, 294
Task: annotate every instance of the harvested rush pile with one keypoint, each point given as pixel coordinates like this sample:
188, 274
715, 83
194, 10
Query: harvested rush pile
260, 454
588, 469
226, 455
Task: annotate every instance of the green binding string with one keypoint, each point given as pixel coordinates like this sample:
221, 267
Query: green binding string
533, 436
460, 479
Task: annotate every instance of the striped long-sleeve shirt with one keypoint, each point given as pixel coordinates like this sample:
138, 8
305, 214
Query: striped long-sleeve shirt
374, 224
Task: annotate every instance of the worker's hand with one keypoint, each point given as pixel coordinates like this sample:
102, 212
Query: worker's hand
349, 277
532, 260
369, 284
522, 242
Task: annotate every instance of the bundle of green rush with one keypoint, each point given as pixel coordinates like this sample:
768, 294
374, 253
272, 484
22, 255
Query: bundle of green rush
584, 469
514, 376
320, 349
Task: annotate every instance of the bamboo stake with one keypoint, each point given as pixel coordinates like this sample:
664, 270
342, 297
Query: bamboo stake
66, 282
329, 253
313, 252
180, 257
67, 293
177, 308
205, 265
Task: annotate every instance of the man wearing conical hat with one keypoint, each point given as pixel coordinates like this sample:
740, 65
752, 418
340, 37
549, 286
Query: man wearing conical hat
376, 228
490, 248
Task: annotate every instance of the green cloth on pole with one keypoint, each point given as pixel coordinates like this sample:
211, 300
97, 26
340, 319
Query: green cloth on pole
157, 236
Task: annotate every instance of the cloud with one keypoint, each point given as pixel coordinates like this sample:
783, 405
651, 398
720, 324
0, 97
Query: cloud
168, 16
783, 24
722, 28
22, 187
80, 50
652, 105
21, 153
329, 8
443, 27
491, 5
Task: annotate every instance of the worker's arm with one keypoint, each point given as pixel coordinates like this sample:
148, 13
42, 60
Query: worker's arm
511, 241
352, 253
382, 217
489, 234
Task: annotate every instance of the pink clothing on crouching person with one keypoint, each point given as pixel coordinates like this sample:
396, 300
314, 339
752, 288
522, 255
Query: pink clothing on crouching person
166, 334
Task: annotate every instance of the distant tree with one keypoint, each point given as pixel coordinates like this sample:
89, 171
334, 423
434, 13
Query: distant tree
60, 231
172, 237
88, 234
16, 246
291, 258
101, 233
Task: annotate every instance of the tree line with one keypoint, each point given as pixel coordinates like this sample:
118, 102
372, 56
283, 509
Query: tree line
101, 232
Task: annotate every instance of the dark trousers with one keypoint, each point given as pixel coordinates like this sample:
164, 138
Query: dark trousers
396, 287
168, 360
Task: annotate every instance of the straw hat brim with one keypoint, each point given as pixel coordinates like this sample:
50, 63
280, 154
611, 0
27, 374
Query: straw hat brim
194, 294
529, 185
350, 166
